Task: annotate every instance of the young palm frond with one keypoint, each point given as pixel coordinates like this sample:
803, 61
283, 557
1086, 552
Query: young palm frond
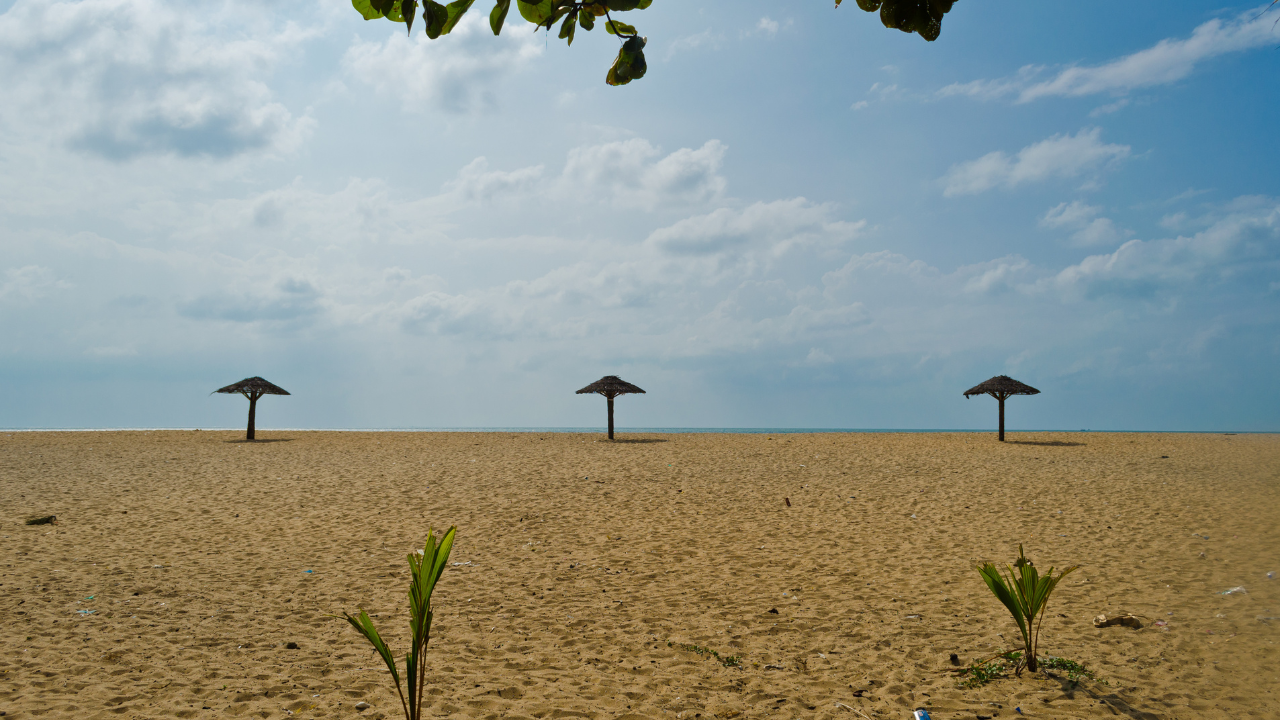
426, 566
1026, 594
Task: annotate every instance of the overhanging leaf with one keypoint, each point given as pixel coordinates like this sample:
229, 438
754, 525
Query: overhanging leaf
567, 27
435, 15
614, 27
456, 9
367, 10
536, 12
498, 15
409, 10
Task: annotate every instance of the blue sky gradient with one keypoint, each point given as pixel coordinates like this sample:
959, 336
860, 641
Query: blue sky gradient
802, 220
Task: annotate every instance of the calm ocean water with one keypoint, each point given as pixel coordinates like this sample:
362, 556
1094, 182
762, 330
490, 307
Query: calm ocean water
746, 431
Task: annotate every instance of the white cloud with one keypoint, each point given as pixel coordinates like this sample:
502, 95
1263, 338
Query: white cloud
818, 357
289, 300
880, 92
634, 172
622, 174
477, 183
767, 26
777, 226
1165, 62
1081, 218
29, 283
1099, 231
697, 41
458, 73
112, 351
1241, 245
1069, 214
125, 78
995, 276
1062, 156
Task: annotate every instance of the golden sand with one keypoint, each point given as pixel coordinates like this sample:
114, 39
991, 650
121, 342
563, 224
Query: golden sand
183, 564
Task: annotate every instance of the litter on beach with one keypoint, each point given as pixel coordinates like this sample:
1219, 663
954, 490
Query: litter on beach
1126, 620
1237, 590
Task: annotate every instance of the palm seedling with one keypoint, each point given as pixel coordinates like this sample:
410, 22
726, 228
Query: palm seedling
1026, 594
425, 567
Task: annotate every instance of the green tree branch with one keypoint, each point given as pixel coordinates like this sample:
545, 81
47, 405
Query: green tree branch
919, 16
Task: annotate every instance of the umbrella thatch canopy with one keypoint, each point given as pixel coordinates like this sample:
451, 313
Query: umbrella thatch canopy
1001, 387
611, 386
252, 388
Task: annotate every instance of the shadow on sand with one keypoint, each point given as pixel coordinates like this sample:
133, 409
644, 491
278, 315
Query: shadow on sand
1112, 700
638, 441
1046, 443
257, 442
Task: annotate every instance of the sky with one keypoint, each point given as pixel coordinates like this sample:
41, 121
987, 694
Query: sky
797, 219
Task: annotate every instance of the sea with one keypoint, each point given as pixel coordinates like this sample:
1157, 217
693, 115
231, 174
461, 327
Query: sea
619, 430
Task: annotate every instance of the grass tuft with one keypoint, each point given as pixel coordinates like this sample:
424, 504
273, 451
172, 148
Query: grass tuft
729, 661
1074, 670
982, 672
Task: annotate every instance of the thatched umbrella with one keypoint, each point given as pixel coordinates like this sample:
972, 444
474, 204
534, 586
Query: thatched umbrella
252, 388
1001, 387
611, 386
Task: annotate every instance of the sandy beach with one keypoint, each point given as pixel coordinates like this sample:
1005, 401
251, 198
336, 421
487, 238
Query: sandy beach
184, 563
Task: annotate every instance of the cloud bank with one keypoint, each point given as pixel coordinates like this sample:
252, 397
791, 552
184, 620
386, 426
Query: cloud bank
122, 79
1168, 61
1060, 156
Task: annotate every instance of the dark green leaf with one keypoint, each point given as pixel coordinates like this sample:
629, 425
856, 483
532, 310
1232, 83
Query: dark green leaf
896, 15
385, 7
567, 27
625, 5
409, 9
613, 27
559, 13
435, 16
366, 9
536, 12
456, 9
630, 64
499, 15
364, 624
586, 19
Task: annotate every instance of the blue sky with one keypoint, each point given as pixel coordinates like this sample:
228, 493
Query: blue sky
795, 221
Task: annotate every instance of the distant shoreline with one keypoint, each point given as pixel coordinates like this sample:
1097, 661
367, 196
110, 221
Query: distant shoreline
638, 430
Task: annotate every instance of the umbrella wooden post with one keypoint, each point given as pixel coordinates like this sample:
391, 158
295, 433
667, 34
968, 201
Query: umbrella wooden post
610, 386
1001, 387
1001, 418
252, 388
253, 411
610, 401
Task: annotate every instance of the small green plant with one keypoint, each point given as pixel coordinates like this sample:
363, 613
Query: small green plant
730, 661
425, 570
982, 672
1074, 670
1026, 594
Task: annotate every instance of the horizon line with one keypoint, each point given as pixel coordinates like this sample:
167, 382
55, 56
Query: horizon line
634, 430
